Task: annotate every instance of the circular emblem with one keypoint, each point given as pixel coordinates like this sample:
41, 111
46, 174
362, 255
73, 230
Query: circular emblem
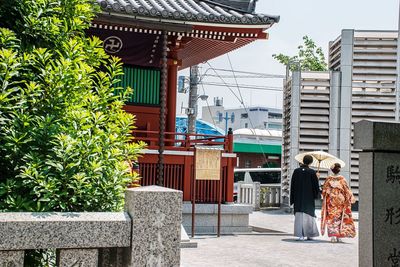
112, 44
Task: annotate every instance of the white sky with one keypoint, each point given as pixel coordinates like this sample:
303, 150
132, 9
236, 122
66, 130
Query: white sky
322, 20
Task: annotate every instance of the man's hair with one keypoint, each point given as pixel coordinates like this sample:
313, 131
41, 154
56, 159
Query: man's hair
307, 160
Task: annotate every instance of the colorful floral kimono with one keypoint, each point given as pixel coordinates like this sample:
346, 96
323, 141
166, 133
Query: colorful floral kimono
336, 208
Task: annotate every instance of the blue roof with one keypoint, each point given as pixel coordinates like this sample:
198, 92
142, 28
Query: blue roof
202, 127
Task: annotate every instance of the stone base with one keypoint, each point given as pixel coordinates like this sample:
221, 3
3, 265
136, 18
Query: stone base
185, 240
77, 257
13, 258
234, 218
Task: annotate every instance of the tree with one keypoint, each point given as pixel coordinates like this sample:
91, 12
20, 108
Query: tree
65, 141
310, 57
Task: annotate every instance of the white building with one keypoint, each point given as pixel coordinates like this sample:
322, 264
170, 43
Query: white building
255, 117
320, 108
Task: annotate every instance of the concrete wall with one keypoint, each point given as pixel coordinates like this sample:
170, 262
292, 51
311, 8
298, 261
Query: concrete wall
234, 218
147, 234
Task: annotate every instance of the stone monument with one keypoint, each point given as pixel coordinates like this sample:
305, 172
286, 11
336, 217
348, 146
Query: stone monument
379, 210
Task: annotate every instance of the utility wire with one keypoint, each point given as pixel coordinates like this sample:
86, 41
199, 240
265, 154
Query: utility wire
245, 108
208, 106
230, 89
241, 76
265, 75
240, 99
246, 86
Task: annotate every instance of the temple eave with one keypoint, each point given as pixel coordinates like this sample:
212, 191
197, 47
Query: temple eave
172, 25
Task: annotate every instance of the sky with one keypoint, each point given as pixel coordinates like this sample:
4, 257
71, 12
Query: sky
322, 20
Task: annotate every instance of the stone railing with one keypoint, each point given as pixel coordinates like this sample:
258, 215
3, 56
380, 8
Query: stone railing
257, 195
147, 234
249, 193
270, 195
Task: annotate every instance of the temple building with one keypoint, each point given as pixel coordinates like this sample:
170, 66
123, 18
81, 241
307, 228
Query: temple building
155, 39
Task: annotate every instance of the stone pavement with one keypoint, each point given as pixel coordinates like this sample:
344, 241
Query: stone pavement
272, 245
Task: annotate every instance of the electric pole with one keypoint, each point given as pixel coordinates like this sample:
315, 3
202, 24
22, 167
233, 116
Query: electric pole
192, 110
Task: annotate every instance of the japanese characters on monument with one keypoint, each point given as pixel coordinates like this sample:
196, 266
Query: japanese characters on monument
386, 207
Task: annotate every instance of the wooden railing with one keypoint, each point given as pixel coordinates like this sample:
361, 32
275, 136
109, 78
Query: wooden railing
179, 164
183, 141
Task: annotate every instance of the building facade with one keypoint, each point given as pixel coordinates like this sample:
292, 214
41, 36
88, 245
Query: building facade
320, 108
257, 148
255, 117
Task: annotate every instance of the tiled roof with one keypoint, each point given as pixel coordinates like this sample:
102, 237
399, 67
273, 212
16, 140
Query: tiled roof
186, 10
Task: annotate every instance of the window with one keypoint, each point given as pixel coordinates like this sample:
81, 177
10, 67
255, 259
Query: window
275, 126
247, 163
244, 115
263, 175
246, 125
259, 109
275, 116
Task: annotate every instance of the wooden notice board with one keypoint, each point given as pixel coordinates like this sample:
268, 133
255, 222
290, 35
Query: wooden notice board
207, 167
208, 164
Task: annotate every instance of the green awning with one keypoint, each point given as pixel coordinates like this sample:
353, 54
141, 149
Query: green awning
257, 148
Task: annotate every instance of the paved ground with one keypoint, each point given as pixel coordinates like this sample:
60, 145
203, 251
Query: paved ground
274, 247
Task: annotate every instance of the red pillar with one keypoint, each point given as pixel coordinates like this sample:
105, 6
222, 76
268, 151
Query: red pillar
230, 179
230, 169
187, 178
172, 94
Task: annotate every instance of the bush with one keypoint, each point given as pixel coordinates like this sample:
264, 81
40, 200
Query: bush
65, 141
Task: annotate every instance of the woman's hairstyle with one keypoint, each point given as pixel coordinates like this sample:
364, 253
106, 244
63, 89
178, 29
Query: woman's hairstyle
307, 160
336, 168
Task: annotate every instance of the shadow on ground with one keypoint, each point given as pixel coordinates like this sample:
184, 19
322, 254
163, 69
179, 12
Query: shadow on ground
294, 240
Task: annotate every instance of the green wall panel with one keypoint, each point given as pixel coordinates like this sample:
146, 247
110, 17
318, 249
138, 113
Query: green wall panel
257, 148
145, 84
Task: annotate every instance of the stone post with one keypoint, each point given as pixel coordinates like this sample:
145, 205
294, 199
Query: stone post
13, 258
345, 98
379, 210
156, 214
77, 257
256, 196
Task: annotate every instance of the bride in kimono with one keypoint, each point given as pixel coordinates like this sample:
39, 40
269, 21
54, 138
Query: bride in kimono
336, 207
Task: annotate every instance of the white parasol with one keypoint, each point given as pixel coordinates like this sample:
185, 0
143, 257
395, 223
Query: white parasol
321, 159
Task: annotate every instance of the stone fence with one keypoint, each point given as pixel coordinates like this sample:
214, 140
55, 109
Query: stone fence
259, 195
249, 193
270, 195
147, 234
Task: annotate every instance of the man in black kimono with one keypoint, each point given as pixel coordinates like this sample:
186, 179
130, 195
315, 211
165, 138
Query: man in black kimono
304, 190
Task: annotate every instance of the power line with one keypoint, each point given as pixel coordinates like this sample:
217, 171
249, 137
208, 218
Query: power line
245, 86
230, 89
265, 75
240, 97
208, 106
245, 108
240, 76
